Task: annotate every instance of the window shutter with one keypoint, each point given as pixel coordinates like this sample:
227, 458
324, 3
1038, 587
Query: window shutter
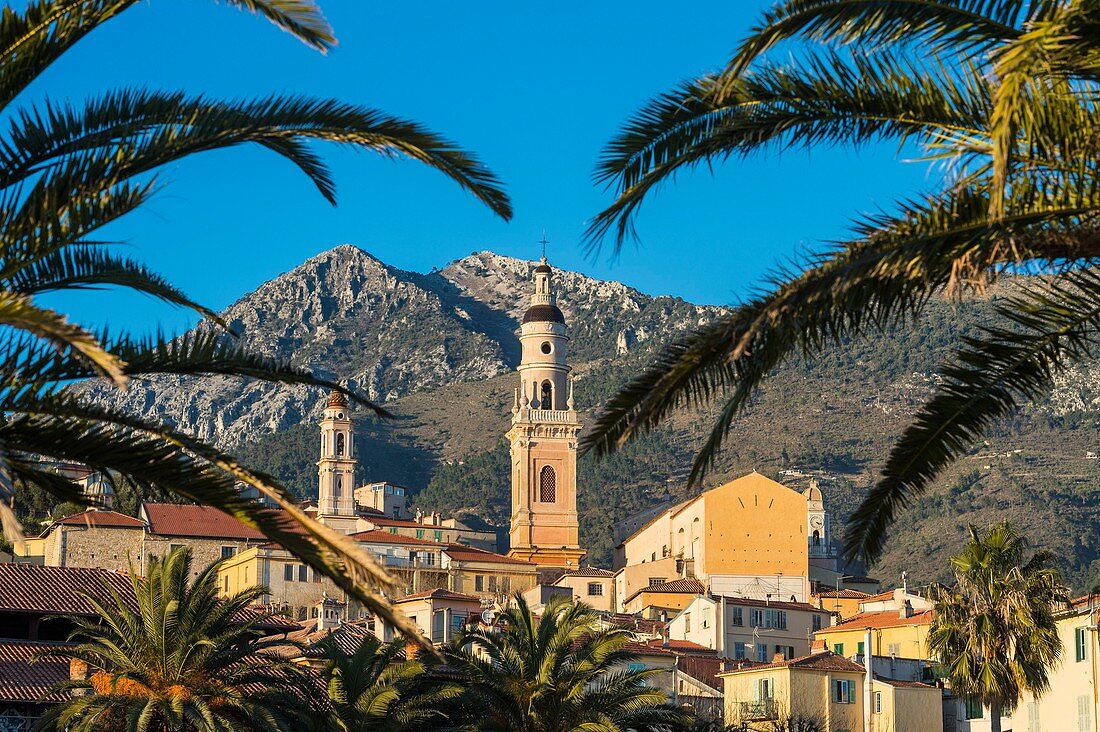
1084, 717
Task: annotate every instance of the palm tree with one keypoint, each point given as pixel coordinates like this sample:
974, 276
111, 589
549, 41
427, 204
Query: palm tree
1002, 92
375, 690
68, 169
557, 672
178, 657
994, 631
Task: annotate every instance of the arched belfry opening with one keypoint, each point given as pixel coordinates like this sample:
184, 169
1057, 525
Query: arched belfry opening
548, 487
817, 538
339, 444
546, 396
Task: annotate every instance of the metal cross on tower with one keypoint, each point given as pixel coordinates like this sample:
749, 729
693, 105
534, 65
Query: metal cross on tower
544, 241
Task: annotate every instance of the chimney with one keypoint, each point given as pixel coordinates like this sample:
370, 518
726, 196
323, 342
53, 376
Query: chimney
779, 657
906, 610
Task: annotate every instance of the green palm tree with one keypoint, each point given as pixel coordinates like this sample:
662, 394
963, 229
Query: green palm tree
66, 170
994, 631
560, 671
375, 690
178, 657
1002, 93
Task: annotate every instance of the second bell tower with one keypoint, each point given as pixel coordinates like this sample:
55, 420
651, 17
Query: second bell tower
543, 437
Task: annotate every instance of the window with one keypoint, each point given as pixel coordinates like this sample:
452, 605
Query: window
339, 443
393, 530
706, 617
817, 538
546, 347
756, 618
974, 708
844, 691
838, 649
765, 689
816, 623
738, 617
859, 648
595, 589
1080, 642
174, 547
893, 649
762, 653
413, 556
228, 552
547, 485
420, 533
316, 575
492, 583
437, 535
225, 585
1033, 724
302, 573
1084, 716
654, 581
546, 401
479, 583
288, 572
687, 623
739, 651
774, 619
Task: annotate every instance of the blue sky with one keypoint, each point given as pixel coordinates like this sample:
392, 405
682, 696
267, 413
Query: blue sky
535, 89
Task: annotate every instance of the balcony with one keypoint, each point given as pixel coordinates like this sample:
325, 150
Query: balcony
559, 416
759, 710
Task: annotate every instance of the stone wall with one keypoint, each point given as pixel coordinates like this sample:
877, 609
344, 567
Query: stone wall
104, 547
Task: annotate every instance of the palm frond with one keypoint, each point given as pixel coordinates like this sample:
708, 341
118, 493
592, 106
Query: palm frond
1051, 326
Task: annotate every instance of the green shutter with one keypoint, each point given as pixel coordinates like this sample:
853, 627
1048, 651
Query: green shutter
1079, 639
859, 648
838, 649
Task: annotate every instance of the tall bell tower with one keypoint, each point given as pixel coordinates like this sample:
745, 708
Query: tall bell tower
543, 437
336, 468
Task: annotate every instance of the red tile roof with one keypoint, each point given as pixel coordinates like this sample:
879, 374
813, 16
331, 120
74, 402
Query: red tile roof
589, 572
23, 682
821, 661
400, 523
904, 684
438, 594
704, 668
880, 619
94, 517
844, 594
644, 649
374, 536
173, 519
686, 585
888, 595
778, 604
32, 588
682, 646
463, 553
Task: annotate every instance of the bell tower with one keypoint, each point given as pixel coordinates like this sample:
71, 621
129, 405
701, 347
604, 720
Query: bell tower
543, 437
336, 468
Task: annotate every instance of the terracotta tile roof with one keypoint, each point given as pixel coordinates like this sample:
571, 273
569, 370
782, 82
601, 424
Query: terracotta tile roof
399, 523
686, 585
94, 517
844, 594
589, 572
704, 668
438, 594
374, 536
880, 619
904, 684
778, 604
644, 649
463, 553
32, 588
822, 661
888, 595
174, 519
23, 682
682, 646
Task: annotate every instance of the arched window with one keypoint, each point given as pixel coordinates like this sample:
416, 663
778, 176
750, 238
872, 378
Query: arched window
546, 401
339, 443
339, 491
547, 485
817, 538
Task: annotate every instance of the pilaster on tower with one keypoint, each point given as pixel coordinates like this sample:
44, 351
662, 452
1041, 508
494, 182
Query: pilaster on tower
336, 468
543, 437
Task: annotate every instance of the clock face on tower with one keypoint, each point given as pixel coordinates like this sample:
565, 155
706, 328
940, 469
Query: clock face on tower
816, 522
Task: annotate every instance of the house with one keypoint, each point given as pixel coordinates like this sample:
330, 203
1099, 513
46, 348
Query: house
591, 585
830, 691
664, 598
94, 538
744, 628
842, 603
902, 633
440, 614
485, 574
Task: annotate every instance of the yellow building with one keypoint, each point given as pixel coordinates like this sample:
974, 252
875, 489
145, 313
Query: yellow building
844, 603
487, 575
828, 690
593, 586
440, 614
665, 598
901, 633
749, 537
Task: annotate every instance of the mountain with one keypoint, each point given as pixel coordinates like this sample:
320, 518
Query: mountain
439, 350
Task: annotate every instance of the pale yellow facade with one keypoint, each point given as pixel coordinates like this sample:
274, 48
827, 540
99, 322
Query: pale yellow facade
905, 708
655, 604
747, 537
1071, 701
595, 588
792, 693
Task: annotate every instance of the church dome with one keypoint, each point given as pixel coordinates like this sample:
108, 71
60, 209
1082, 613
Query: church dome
544, 267
337, 399
543, 314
